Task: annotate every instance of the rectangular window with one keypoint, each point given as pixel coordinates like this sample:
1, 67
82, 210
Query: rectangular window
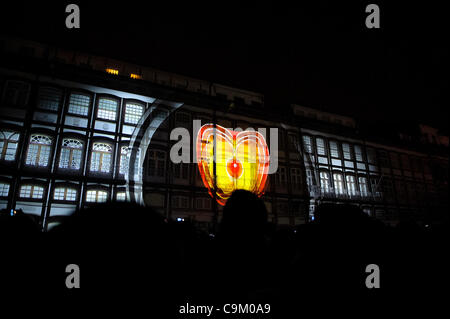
334, 149
63, 193
133, 112
16, 93
157, 164
296, 178
351, 185
363, 187
338, 183
383, 158
395, 162
371, 157
96, 196
321, 146
281, 176
325, 182
180, 202
31, 191
121, 197
293, 142
346, 150
79, 104
374, 185
107, 109
4, 189
307, 144
405, 161
358, 153
49, 98
388, 188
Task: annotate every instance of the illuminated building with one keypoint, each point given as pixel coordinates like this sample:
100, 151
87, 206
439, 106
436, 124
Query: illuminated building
67, 118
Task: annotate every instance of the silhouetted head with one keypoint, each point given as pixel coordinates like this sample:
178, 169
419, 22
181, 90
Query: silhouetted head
244, 215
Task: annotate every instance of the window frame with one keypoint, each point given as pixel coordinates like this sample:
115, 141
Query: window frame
66, 186
49, 134
79, 92
15, 104
96, 188
91, 151
6, 142
5, 181
52, 87
83, 152
107, 97
33, 184
124, 109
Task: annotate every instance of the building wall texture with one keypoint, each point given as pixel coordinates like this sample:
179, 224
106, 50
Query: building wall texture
65, 132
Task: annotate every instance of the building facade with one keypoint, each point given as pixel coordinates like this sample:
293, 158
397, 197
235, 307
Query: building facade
68, 121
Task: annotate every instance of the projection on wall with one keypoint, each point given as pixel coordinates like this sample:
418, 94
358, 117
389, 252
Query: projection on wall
232, 160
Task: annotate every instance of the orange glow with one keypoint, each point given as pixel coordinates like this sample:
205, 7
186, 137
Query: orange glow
135, 76
242, 161
112, 71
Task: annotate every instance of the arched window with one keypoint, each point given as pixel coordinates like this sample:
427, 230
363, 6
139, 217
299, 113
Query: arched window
71, 151
125, 153
338, 183
65, 193
31, 191
107, 109
133, 112
325, 182
4, 189
39, 150
101, 157
96, 196
351, 185
8, 145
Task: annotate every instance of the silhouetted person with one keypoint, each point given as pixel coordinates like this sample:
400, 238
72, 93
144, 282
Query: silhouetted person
126, 254
242, 250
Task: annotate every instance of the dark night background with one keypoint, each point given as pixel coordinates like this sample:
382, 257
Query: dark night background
316, 53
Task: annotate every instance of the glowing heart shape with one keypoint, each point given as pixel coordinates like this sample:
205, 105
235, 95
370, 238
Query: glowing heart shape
241, 161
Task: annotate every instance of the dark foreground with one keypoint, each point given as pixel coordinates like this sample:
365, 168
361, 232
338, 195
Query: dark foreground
134, 263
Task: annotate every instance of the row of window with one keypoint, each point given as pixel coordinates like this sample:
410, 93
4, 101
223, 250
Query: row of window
70, 194
183, 202
50, 99
71, 155
349, 187
61, 193
355, 152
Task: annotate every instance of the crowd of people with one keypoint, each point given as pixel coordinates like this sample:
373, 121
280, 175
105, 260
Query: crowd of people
131, 257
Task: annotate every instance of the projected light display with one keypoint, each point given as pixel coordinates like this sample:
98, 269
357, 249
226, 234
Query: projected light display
230, 160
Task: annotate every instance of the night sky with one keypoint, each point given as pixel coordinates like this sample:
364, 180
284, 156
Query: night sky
317, 53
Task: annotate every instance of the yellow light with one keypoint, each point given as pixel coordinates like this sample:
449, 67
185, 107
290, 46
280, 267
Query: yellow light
112, 71
135, 76
241, 161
